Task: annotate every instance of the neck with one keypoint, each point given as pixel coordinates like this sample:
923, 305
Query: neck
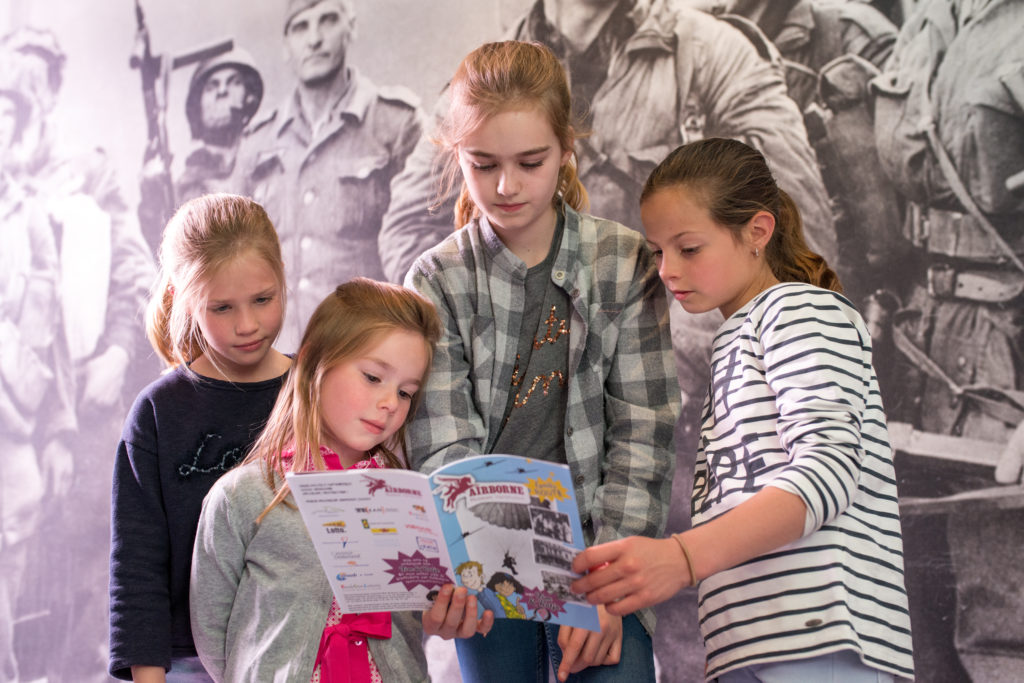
580, 21
317, 97
531, 245
273, 365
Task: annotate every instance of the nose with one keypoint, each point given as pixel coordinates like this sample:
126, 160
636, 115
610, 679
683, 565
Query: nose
508, 183
246, 322
388, 400
315, 37
667, 270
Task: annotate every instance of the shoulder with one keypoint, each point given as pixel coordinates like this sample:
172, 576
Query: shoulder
613, 261
753, 34
693, 27
398, 97
243, 485
796, 303
389, 108
262, 123
171, 388
609, 244
457, 251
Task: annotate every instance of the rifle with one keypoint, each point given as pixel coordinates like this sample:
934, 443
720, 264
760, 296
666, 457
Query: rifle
152, 72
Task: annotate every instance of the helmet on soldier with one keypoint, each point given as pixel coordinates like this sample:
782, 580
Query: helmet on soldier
223, 96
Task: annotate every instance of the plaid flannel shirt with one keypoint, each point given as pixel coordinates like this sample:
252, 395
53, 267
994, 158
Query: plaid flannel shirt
623, 395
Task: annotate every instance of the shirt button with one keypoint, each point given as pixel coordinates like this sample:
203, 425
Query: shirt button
309, 197
812, 623
559, 274
578, 480
304, 283
357, 643
306, 243
568, 431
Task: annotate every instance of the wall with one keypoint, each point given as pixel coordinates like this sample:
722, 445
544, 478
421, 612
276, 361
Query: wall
947, 481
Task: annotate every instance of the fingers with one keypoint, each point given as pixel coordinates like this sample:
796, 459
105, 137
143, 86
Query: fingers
595, 556
454, 615
433, 619
595, 579
571, 640
485, 623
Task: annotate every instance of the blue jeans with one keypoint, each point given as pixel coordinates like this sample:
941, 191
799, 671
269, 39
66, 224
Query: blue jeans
521, 651
838, 667
187, 670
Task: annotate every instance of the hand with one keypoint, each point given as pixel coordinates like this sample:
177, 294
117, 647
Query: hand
104, 378
631, 573
1011, 460
58, 468
149, 674
582, 648
454, 615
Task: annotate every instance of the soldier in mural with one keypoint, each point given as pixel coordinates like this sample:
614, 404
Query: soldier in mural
36, 414
102, 274
950, 132
224, 93
323, 161
831, 51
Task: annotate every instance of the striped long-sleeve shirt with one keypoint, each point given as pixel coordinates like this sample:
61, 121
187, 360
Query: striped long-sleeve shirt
794, 403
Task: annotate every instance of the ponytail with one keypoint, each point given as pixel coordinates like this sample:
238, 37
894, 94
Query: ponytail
789, 257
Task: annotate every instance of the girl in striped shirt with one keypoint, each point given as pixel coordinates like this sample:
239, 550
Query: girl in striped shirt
796, 540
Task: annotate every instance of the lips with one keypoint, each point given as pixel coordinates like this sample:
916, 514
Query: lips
509, 208
251, 346
374, 427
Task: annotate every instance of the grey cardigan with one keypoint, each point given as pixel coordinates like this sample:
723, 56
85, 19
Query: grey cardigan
259, 597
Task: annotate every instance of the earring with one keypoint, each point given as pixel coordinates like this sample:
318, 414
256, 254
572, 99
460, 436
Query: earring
757, 252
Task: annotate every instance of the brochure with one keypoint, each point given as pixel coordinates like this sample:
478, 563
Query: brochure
504, 526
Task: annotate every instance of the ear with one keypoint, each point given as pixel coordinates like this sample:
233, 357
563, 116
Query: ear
760, 230
570, 148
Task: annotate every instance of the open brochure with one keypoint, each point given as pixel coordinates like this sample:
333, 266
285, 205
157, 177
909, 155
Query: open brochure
505, 527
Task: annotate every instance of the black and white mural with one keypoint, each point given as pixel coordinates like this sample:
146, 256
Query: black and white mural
898, 127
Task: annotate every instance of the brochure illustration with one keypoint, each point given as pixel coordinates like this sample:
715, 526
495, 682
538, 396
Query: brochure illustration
505, 527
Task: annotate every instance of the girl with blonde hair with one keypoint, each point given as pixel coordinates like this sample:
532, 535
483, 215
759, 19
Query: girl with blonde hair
213, 318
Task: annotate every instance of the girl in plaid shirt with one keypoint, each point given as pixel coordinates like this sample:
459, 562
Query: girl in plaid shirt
555, 345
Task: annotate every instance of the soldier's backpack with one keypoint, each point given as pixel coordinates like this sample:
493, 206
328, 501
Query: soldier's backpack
949, 108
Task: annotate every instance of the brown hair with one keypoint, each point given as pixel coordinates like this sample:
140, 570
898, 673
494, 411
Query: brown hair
352, 319
203, 235
498, 77
733, 182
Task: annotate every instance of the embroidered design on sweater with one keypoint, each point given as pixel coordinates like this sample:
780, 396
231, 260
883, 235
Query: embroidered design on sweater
227, 461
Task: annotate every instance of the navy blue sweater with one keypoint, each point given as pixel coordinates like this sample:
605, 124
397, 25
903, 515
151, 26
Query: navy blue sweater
182, 433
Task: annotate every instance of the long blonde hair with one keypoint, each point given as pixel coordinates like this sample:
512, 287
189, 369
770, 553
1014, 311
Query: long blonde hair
498, 77
352, 319
733, 182
203, 235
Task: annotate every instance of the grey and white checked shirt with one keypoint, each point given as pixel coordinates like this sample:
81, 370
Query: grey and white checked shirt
623, 395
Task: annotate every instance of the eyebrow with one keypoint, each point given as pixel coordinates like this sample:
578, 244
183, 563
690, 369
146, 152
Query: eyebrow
264, 292
529, 152
418, 382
